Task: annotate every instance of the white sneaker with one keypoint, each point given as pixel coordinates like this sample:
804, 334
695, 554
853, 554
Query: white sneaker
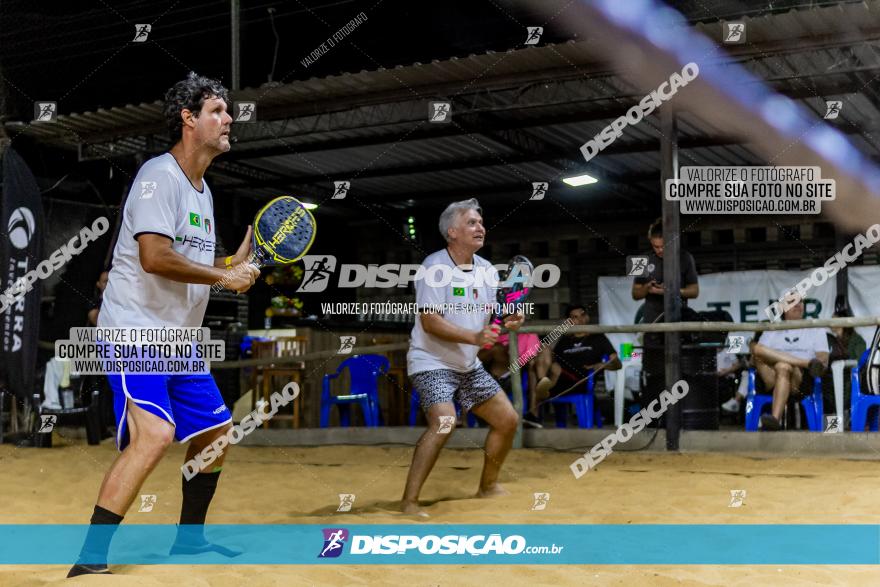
731, 406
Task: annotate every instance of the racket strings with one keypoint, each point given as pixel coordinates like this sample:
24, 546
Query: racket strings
288, 246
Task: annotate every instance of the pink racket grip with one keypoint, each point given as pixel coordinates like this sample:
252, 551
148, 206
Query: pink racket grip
496, 328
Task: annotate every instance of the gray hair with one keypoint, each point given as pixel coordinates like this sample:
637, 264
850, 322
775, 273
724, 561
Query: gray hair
450, 214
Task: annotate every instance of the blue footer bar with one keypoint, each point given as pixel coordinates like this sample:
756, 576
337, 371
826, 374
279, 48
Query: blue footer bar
447, 544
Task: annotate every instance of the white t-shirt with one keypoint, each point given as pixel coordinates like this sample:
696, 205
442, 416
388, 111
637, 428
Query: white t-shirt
161, 201
802, 343
428, 352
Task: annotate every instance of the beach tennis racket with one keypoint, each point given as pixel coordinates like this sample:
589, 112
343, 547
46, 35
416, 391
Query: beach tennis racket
283, 232
513, 288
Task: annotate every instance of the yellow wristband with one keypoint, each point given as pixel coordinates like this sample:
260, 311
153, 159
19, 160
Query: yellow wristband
228, 262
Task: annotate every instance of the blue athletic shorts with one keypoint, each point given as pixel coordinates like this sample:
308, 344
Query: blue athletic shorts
191, 403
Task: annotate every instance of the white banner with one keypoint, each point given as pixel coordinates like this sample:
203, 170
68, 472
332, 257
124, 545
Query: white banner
864, 282
744, 295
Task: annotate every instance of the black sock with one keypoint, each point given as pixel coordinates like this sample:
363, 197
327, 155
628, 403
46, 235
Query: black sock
103, 525
197, 495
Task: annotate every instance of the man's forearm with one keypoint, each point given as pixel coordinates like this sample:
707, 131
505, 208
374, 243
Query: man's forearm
174, 266
690, 291
612, 364
639, 291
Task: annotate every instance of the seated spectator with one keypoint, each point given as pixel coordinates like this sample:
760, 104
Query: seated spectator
573, 357
497, 359
497, 362
846, 344
781, 356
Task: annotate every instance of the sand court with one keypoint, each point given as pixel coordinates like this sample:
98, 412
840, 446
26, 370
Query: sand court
297, 485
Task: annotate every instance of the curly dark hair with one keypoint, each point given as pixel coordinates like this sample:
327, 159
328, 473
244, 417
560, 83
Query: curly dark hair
190, 94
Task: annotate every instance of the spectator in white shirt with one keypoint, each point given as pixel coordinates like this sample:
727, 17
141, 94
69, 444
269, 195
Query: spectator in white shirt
781, 357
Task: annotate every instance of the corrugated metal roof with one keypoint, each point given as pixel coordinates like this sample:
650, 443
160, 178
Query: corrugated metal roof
553, 96
479, 71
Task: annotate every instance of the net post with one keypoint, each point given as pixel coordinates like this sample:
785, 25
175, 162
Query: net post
516, 386
671, 269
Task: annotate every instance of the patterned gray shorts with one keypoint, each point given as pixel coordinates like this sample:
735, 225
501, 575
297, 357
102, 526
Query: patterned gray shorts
441, 386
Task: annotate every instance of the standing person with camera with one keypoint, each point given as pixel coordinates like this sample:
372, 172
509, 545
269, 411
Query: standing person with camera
649, 287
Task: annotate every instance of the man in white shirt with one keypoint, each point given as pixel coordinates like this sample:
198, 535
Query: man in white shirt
442, 361
781, 357
164, 264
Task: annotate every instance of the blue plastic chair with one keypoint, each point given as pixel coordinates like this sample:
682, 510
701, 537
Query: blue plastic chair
757, 403
364, 372
413, 406
861, 403
584, 406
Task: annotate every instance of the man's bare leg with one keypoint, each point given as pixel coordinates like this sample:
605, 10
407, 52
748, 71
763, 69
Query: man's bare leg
150, 437
532, 379
198, 492
782, 388
532, 375
543, 361
555, 372
199, 443
772, 356
767, 374
542, 390
797, 376
780, 372
502, 420
424, 457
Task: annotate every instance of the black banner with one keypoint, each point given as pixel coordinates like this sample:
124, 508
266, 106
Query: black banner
21, 249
